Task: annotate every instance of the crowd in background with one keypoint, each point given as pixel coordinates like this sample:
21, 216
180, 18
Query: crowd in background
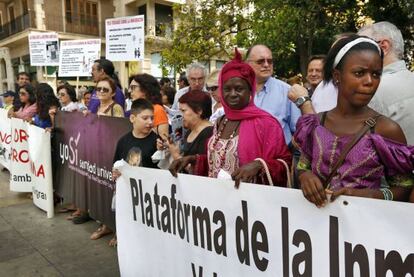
346, 131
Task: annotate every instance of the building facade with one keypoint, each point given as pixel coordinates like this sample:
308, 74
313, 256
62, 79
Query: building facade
81, 19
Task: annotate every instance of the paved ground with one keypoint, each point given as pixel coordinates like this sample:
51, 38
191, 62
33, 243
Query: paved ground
32, 245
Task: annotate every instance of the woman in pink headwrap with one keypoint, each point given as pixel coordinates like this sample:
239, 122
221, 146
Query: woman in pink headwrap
245, 138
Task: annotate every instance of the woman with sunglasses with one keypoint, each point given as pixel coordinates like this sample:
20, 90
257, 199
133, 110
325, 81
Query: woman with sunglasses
26, 108
105, 89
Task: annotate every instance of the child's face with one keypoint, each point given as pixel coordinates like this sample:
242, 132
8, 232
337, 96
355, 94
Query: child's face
143, 122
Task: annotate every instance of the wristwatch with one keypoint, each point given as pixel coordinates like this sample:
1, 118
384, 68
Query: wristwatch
301, 100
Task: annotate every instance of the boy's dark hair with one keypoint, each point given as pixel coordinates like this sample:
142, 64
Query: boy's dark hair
139, 105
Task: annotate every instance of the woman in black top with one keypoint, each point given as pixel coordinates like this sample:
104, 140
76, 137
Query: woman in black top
195, 107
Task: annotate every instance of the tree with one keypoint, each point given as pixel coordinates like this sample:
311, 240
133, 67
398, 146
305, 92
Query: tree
206, 28
297, 29
400, 13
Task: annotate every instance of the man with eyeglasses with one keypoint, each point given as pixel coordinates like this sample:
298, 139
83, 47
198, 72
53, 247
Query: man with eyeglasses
196, 75
271, 93
395, 94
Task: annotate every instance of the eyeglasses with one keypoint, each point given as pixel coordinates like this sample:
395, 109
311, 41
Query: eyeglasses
23, 93
263, 61
133, 87
102, 89
212, 88
62, 94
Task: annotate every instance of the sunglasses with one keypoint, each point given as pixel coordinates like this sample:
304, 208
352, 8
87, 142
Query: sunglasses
263, 61
102, 89
212, 88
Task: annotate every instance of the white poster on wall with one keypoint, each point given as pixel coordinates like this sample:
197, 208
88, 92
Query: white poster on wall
44, 49
197, 226
77, 57
125, 38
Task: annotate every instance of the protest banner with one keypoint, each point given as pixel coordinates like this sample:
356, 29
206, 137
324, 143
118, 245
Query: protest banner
84, 151
44, 49
125, 38
25, 152
77, 57
5, 139
198, 226
41, 168
20, 174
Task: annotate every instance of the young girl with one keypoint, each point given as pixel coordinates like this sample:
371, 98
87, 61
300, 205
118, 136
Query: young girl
355, 66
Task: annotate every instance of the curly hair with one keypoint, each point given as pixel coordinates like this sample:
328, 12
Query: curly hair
150, 86
45, 99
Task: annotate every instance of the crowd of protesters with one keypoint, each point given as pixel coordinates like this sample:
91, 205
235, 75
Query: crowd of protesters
345, 132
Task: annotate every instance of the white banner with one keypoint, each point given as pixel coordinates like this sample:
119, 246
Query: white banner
44, 49
125, 38
41, 168
5, 139
25, 151
77, 57
20, 175
196, 226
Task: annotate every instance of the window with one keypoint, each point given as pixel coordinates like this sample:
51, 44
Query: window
25, 7
142, 10
82, 16
1, 22
12, 19
163, 20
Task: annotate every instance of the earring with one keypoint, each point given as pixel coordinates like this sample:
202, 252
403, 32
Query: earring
336, 82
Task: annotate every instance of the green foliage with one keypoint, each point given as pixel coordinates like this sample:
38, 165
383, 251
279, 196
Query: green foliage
400, 13
293, 29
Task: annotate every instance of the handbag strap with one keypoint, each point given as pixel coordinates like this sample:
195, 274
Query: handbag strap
269, 177
110, 107
368, 124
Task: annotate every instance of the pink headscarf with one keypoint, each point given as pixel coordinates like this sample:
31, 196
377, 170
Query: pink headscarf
251, 136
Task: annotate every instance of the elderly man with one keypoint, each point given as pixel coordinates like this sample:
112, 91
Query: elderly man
314, 72
196, 75
271, 93
395, 95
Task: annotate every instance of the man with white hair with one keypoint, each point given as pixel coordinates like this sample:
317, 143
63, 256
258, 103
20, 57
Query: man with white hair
196, 75
395, 95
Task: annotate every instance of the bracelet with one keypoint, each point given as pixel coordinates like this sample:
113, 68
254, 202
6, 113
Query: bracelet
387, 193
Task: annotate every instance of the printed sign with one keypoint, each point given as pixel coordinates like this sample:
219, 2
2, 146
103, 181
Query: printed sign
78, 56
44, 49
125, 38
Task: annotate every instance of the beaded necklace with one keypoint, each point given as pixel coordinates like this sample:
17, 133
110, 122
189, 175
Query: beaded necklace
217, 138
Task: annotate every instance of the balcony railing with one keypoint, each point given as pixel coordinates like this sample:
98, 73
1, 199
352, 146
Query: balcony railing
18, 25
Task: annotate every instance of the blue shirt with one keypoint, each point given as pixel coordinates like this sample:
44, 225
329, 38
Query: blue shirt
273, 98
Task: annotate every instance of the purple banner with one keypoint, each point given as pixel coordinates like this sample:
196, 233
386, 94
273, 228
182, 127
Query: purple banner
83, 151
